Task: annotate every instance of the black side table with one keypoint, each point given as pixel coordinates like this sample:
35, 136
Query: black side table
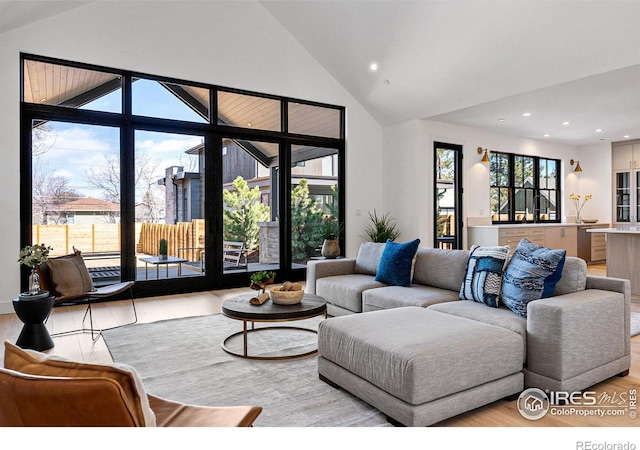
32, 313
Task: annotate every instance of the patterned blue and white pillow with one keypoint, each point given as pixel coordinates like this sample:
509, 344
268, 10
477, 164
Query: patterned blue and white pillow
531, 275
483, 276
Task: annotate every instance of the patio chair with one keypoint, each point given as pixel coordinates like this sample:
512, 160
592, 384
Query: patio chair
39, 390
68, 280
232, 254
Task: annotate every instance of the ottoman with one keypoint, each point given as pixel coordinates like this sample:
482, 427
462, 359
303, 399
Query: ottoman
418, 366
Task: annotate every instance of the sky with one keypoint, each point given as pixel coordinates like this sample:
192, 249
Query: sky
74, 148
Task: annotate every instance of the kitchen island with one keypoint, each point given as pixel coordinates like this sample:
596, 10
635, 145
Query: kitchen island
623, 248
569, 236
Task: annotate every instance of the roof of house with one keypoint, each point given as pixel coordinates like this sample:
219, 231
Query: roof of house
90, 204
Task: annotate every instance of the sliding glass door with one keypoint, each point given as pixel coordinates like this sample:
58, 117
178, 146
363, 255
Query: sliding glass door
170, 192
75, 191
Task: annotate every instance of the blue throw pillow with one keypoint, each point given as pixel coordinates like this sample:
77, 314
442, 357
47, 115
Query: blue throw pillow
531, 275
396, 263
483, 276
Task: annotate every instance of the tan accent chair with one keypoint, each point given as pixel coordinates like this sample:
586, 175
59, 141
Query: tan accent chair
39, 390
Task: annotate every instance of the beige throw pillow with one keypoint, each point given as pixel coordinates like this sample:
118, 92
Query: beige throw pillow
70, 277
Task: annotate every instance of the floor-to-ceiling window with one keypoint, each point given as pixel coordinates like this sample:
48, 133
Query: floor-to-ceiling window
126, 167
448, 195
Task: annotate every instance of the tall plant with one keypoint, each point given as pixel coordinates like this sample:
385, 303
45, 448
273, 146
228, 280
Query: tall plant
306, 222
381, 228
243, 212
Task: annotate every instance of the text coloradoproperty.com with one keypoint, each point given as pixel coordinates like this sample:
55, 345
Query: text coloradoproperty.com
582, 411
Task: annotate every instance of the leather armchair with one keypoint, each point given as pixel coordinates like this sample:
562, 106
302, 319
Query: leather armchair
60, 393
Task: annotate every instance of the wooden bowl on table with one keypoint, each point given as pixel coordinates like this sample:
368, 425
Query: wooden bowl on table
280, 296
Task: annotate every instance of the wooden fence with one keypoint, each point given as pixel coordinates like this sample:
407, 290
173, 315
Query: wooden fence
106, 238
89, 238
184, 238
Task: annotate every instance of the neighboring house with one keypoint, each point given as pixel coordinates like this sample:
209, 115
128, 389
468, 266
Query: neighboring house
85, 211
183, 190
525, 204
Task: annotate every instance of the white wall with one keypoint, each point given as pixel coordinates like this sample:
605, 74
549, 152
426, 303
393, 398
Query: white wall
408, 173
596, 179
235, 44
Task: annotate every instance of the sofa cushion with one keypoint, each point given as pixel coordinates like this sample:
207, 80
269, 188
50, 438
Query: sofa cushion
574, 276
398, 296
368, 258
345, 291
531, 272
36, 363
483, 274
419, 355
396, 263
501, 317
440, 268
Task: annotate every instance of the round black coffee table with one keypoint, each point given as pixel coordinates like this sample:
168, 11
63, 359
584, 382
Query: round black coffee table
239, 308
32, 313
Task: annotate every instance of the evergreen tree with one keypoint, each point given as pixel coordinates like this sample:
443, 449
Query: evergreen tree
306, 223
242, 213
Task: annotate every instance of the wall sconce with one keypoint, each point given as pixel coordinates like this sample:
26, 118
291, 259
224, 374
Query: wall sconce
485, 157
577, 163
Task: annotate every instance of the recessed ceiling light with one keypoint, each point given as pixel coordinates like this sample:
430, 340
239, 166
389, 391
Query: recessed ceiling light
526, 114
387, 82
248, 124
374, 67
599, 130
626, 136
547, 135
566, 123
500, 120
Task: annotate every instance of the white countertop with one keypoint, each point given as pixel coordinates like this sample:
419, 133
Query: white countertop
532, 224
619, 230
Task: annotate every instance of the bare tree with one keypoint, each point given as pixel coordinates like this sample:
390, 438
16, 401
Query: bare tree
43, 137
149, 200
106, 178
48, 191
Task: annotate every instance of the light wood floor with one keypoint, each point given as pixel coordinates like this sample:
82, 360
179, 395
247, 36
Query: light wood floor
499, 414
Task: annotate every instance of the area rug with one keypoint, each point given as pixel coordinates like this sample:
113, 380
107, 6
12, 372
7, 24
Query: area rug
635, 323
181, 359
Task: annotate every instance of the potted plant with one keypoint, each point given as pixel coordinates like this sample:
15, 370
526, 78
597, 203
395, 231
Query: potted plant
162, 249
381, 228
31, 256
331, 230
260, 280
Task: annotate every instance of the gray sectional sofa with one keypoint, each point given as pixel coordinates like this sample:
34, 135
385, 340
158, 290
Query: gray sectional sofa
420, 355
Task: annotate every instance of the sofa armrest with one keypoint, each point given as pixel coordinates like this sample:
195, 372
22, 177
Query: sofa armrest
610, 284
570, 334
327, 268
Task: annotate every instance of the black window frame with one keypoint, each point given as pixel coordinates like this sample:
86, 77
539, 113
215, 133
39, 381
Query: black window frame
497, 181
213, 132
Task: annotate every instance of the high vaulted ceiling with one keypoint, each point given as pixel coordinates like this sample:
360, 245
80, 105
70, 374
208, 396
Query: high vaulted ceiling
468, 62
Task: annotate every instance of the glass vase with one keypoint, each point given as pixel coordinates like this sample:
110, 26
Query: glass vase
34, 282
578, 219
